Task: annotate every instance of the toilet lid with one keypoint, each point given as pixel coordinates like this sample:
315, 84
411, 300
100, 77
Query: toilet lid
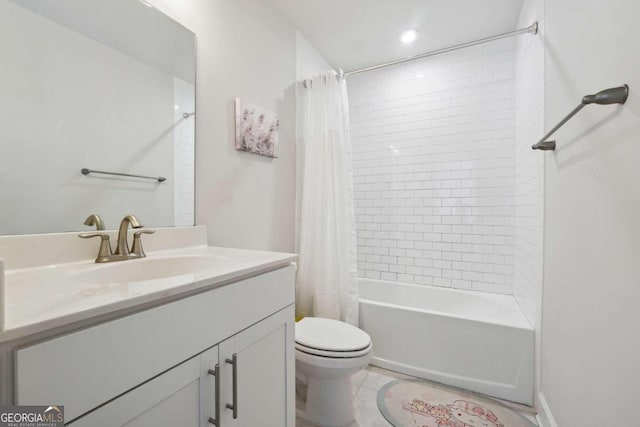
330, 335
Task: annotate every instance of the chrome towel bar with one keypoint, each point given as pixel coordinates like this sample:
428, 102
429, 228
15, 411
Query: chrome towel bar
86, 171
616, 95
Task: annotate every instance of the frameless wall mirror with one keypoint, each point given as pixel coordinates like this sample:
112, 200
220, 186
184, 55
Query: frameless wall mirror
100, 85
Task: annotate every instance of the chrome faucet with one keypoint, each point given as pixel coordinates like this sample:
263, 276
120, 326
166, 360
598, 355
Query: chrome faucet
122, 252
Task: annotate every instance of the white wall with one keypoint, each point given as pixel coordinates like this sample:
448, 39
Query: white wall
309, 61
69, 102
590, 317
433, 150
184, 153
245, 49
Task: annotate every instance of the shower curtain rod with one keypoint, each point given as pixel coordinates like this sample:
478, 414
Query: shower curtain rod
531, 29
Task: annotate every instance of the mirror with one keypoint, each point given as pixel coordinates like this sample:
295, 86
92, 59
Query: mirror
101, 85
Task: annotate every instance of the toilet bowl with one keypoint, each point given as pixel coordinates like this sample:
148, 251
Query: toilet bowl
328, 352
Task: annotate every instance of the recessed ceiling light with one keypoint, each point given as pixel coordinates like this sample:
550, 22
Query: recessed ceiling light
409, 36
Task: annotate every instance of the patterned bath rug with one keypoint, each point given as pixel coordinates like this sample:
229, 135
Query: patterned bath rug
417, 403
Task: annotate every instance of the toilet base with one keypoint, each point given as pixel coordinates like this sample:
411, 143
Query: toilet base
329, 402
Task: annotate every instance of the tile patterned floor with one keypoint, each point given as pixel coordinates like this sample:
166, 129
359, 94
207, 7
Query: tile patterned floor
366, 384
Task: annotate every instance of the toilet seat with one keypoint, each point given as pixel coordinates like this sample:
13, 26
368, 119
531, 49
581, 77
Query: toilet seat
331, 366
333, 354
331, 338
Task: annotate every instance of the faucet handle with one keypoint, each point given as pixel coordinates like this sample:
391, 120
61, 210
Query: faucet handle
104, 253
104, 236
145, 231
136, 248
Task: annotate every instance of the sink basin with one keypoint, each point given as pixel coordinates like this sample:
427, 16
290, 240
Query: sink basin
139, 270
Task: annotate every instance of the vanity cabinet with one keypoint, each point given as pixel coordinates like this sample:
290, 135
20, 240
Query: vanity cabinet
153, 368
185, 395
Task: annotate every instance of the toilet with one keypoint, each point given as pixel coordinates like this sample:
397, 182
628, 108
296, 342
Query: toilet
328, 352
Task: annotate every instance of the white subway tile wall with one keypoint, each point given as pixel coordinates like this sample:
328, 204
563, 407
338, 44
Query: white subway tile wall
529, 195
434, 169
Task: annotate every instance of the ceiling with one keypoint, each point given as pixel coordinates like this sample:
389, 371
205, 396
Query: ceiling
353, 34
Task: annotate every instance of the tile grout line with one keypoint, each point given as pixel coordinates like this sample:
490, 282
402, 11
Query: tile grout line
367, 370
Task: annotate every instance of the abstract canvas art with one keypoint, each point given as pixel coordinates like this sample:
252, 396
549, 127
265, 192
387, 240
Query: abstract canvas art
256, 129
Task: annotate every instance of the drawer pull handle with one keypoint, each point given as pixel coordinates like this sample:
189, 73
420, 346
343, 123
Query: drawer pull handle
216, 374
234, 362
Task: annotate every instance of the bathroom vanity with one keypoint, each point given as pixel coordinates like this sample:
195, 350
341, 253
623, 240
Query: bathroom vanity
208, 341
190, 335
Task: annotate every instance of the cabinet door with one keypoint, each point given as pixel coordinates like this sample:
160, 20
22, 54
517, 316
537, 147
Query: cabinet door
265, 382
171, 399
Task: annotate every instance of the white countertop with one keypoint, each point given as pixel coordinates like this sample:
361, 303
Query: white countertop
38, 299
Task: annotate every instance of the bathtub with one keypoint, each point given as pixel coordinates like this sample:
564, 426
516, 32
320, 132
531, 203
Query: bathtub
473, 340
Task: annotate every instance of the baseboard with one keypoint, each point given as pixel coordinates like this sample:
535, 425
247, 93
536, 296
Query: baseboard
544, 417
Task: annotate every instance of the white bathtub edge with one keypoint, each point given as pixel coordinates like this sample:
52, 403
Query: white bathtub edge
522, 322
524, 327
392, 319
545, 417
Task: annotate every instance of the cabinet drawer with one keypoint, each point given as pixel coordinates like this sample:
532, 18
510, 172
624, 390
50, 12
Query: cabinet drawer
84, 369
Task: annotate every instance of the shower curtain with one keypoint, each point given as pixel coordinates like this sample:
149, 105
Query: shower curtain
327, 273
